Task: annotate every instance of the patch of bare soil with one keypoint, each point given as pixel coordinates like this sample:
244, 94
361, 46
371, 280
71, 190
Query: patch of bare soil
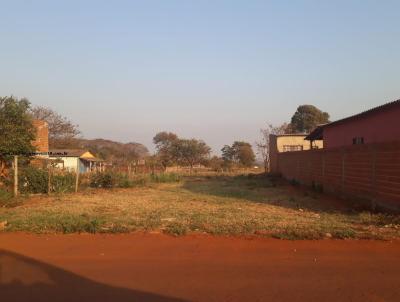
156, 267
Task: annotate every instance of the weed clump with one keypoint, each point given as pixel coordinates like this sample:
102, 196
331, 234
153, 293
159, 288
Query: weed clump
80, 224
110, 180
176, 229
165, 177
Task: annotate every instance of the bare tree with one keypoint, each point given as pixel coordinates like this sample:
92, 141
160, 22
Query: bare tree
263, 148
61, 129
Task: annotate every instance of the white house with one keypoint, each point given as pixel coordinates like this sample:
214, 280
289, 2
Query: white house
73, 159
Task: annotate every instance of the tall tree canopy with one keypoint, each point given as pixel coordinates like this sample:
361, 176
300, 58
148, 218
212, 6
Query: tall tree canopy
174, 150
239, 153
191, 151
61, 130
306, 118
165, 142
228, 154
16, 129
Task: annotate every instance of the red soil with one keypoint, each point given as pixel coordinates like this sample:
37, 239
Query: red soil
154, 267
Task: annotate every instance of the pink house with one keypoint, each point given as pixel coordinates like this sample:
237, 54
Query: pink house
379, 124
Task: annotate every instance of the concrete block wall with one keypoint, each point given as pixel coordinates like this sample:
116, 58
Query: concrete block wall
370, 171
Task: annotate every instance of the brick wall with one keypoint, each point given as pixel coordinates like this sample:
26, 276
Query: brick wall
42, 136
370, 171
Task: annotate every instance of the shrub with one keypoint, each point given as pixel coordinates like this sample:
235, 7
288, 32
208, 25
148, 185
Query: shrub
140, 180
123, 181
6, 198
63, 183
165, 177
32, 180
35, 180
102, 180
176, 229
5, 195
118, 180
110, 180
77, 224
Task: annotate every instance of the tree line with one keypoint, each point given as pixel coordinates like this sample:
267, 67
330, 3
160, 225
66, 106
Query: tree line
17, 134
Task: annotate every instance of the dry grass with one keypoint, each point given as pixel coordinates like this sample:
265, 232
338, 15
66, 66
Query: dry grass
240, 205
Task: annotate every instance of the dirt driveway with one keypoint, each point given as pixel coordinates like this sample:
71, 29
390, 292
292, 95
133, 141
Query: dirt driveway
154, 267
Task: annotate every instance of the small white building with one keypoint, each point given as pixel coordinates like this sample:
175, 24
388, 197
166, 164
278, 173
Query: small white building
73, 159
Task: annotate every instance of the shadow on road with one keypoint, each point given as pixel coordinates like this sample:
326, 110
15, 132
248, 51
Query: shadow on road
26, 279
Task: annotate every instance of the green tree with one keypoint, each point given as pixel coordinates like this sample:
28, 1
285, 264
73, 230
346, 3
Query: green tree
228, 154
240, 153
16, 129
191, 151
165, 148
173, 150
244, 154
307, 117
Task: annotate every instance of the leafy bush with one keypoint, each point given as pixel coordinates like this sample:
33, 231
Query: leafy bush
109, 180
6, 199
32, 180
103, 180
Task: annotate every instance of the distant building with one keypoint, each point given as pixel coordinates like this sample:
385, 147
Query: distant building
73, 159
379, 124
288, 143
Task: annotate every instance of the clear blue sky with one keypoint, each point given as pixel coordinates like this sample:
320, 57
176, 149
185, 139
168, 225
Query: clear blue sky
216, 70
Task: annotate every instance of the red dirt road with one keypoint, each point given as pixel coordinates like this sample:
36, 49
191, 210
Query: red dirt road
154, 267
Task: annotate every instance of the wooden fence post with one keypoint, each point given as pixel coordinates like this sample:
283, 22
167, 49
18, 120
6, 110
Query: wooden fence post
77, 176
15, 175
49, 179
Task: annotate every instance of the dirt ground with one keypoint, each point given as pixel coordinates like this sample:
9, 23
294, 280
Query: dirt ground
156, 267
239, 205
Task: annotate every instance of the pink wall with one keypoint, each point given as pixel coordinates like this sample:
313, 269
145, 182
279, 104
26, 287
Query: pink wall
382, 126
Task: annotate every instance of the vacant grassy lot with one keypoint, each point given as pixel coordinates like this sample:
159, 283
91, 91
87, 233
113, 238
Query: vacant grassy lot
240, 205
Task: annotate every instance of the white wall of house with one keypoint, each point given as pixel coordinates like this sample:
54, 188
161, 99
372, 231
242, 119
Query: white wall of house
70, 163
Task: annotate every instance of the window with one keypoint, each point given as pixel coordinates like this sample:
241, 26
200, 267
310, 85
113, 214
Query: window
291, 148
358, 140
